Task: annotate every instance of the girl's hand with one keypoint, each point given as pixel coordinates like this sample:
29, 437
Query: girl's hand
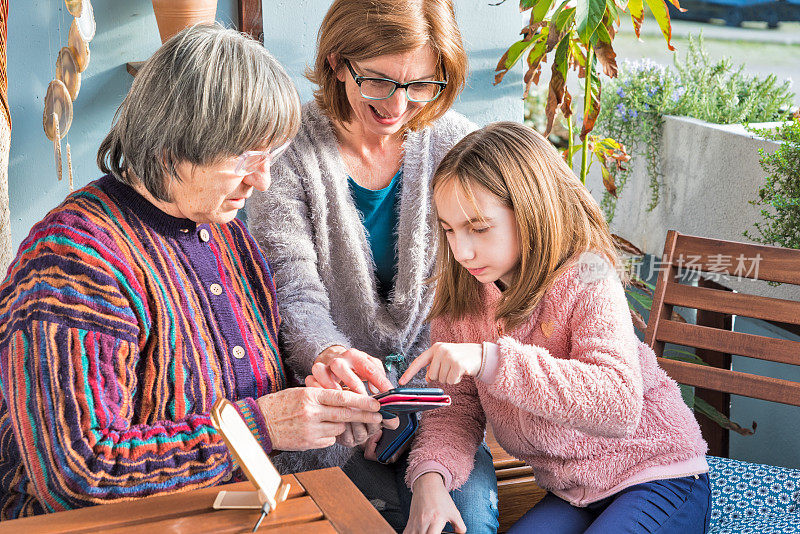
432, 507
449, 362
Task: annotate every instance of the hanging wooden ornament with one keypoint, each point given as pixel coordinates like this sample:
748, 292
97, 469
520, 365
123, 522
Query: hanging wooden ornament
67, 72
79, 46
75, 7
58, 102
86, 25
57, 145
69, 167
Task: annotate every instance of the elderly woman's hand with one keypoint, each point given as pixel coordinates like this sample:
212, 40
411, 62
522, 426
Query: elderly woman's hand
337, 366
350, 367
311, 418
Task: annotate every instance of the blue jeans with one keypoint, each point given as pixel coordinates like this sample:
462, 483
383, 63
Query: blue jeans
680, 505
385, 487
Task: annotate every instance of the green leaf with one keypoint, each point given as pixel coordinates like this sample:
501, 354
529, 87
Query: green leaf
643, 300
660, 12
561, 61
636, 8
588, 15
540, 10
565, 17
684, 356
687, 392
712, 413
515, 52
524, 5
603, 34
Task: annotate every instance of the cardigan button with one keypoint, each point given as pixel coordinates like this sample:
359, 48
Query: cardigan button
227, 477
204, 235
216, 289
238, 352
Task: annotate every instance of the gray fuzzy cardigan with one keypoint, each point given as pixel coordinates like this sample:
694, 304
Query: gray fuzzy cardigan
310, 230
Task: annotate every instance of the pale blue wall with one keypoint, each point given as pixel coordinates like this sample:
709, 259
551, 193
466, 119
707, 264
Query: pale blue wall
37, 29
127, 31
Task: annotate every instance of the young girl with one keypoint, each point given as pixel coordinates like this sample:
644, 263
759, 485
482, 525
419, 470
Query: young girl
532, 332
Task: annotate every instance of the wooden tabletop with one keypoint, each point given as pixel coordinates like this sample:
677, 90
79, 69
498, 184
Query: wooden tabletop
323, 501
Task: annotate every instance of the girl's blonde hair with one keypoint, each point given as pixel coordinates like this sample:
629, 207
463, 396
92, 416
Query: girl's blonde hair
556, 217
358, 30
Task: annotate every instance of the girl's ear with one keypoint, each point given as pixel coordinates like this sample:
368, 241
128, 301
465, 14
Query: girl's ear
333, 61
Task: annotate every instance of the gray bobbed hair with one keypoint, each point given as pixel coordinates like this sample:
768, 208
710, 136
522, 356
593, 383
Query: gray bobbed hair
207, 94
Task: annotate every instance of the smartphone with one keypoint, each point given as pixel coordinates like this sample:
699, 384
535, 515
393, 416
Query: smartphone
392, 441
433, 392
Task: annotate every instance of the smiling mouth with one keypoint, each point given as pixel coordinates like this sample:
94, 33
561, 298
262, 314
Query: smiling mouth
476, 271
386, 119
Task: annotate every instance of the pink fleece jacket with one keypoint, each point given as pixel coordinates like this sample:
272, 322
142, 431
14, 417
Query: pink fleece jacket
572, 392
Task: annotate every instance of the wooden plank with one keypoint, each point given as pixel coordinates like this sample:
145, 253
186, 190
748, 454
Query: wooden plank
514, 472
501, 459
775, 264
344, 506
718, 438
134, 67
153, 508
659, 309
317, 527
291, 512
735, 382
515, 497
753, 346
725, 301
251, 20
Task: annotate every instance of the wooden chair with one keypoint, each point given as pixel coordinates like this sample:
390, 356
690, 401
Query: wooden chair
516, 488
734, 483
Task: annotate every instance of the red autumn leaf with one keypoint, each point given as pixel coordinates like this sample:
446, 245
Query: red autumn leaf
626, 246
607, 58
566, 106
590, 116
638, 321
608, 182
555, 97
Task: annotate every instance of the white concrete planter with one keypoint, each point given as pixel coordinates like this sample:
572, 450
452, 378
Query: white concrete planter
711, 172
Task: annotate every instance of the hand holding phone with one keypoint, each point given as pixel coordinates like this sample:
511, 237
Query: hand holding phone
404, 403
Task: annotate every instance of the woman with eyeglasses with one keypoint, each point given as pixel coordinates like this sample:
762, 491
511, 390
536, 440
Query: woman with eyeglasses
140, 300
349, 229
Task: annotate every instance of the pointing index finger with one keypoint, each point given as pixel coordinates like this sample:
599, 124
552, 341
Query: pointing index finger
416, 366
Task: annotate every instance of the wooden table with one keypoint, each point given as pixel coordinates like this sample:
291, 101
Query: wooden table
320, 502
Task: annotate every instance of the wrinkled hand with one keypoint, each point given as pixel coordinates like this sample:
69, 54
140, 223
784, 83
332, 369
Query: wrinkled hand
311, 418
432, 507
337, 365
449, 362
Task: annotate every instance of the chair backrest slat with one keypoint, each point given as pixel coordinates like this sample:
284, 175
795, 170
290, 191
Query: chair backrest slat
703, 337
755, 306
717, 256
745, 384
761, 262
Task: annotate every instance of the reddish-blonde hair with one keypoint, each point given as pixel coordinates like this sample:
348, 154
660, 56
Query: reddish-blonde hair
556, 217
359, 29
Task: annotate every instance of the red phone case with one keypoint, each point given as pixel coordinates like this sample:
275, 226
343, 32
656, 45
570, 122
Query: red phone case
413, 398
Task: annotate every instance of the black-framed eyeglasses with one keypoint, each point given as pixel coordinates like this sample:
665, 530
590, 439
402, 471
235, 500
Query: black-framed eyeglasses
383, 88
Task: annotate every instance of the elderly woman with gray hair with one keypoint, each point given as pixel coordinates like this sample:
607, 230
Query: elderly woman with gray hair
349, 227
140, 300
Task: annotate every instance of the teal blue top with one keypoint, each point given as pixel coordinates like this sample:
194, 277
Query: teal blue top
380, 212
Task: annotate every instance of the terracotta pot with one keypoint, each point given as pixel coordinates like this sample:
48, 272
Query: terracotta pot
174, 15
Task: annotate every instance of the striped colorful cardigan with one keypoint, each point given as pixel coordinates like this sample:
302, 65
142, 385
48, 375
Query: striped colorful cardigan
120, 326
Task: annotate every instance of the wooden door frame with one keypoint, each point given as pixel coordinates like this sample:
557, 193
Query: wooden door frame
250, 19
